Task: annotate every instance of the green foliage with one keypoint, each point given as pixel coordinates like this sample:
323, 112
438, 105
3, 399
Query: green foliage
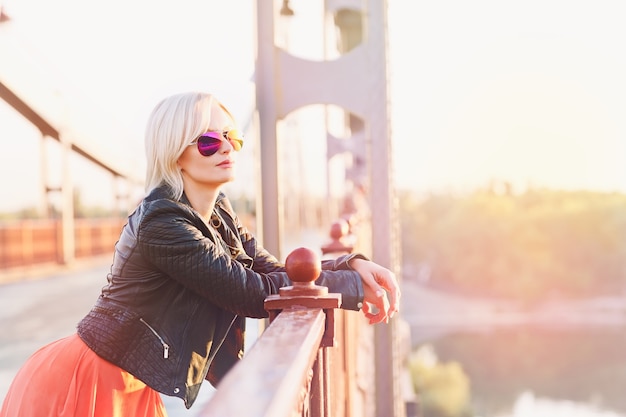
81, 211
443, 388
539, 244
25, 213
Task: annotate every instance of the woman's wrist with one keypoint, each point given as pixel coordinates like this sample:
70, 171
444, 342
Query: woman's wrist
353, 258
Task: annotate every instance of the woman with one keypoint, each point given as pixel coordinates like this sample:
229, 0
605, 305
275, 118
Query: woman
184, 276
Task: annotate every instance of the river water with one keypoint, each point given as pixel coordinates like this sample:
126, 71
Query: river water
527, 371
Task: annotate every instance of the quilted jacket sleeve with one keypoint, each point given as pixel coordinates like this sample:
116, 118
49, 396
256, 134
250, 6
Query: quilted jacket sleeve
347, 283
178, 244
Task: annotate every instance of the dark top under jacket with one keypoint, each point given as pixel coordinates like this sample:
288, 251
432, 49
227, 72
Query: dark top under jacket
173, 311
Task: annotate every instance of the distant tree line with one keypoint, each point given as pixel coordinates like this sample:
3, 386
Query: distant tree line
243, 205
529, 246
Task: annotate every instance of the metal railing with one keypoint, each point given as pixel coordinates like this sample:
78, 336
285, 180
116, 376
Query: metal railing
305, 362
29, 243
308, 362
286, 373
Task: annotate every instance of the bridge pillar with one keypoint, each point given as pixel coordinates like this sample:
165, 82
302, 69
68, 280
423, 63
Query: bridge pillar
355, 78
67, 203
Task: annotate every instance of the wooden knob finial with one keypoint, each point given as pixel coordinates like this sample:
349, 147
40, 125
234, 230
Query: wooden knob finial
303, 266
339, 229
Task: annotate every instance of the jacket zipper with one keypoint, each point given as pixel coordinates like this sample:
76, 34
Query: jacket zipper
166, 347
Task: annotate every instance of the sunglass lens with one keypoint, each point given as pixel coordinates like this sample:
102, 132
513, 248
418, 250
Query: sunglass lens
236, 138
208, 145
210, 142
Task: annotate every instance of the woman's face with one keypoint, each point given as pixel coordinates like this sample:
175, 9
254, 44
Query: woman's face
210, 171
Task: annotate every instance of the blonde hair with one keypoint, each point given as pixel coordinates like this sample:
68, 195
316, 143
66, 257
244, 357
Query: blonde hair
174, 123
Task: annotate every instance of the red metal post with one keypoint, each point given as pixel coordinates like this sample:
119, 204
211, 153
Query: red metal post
303, 267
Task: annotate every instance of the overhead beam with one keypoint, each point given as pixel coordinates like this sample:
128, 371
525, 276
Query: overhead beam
28, 112
47, 129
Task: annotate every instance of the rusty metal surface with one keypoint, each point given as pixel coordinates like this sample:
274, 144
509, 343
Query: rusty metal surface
32, 243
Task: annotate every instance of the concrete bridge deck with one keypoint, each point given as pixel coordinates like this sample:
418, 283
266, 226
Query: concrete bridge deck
45, 305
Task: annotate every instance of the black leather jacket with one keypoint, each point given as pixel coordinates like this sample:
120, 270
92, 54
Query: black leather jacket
173, 312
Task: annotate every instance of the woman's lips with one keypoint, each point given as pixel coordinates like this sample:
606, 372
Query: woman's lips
227, 163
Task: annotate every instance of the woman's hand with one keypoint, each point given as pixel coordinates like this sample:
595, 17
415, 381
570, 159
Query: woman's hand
376, 279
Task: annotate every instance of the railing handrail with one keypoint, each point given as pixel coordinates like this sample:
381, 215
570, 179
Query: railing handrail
296, 369
272, 379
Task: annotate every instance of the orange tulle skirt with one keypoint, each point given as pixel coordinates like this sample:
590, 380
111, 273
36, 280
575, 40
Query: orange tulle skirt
67, 379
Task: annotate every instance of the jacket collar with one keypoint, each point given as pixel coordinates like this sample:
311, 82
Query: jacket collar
165, 192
